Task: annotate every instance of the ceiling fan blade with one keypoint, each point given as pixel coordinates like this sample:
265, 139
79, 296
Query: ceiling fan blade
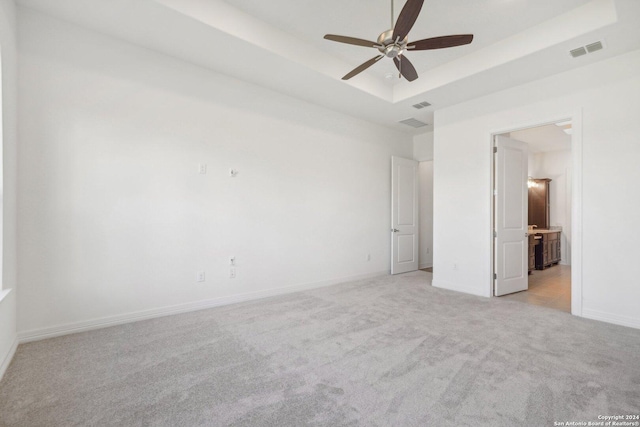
350, 40
407, 18
441, 42
363, 67
406, 68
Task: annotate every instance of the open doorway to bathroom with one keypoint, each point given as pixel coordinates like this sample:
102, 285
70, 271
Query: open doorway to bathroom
549, 211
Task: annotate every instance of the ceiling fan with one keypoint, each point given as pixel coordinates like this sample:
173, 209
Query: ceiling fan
393, 43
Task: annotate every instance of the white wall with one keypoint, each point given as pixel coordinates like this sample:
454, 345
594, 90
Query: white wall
426, 213
556, 165
115, 218
8, 184
423, 147
607, 96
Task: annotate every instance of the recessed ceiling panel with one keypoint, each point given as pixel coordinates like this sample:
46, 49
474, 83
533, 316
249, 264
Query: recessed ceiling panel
489, 20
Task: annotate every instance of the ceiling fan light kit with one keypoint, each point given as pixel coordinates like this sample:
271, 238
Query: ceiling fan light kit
388, 47
394, 43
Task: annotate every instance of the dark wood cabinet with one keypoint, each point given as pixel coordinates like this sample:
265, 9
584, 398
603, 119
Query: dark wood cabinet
539, 203
532, 252
548, 252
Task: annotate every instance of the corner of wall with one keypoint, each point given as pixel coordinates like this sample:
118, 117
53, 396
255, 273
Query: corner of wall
8, 338
4, 365
459, 288
423, 146
8, 35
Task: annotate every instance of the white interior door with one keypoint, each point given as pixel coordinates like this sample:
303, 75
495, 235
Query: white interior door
404, 215
511, 216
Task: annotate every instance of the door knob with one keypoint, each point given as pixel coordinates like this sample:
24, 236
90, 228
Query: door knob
395, 230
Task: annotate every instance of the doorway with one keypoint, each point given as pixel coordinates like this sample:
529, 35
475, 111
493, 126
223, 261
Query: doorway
425, 176
533, 265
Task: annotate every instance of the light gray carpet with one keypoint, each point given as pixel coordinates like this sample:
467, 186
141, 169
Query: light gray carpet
391, 351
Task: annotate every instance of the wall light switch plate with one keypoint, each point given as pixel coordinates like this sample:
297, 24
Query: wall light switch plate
200, 276
202, 168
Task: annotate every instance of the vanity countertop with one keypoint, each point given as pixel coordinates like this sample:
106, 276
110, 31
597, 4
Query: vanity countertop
551, 230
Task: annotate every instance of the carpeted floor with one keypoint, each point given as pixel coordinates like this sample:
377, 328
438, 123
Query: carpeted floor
391, 351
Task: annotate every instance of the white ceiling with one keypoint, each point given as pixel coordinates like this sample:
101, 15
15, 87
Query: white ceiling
542, 139
489, 20
278, 44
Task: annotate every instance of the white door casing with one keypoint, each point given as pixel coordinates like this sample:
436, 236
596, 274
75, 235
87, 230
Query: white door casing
511, 216
404, 215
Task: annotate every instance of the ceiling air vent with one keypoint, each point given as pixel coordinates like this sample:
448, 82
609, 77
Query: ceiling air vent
415, 123
594, 47
421, 105
590, 48
578, 52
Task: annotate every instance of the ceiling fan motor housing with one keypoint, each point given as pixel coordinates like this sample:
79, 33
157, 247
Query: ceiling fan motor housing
389, 47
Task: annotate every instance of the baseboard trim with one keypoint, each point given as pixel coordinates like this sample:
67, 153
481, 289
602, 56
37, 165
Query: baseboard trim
425, 266
457, 288
8, 358
611, 318
105, 322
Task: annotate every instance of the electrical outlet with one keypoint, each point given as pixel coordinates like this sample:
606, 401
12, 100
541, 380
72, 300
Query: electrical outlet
200, 276
368, 257
455, 267
232, 273
202, 168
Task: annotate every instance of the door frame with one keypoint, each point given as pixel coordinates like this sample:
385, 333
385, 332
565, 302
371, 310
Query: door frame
576, 199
